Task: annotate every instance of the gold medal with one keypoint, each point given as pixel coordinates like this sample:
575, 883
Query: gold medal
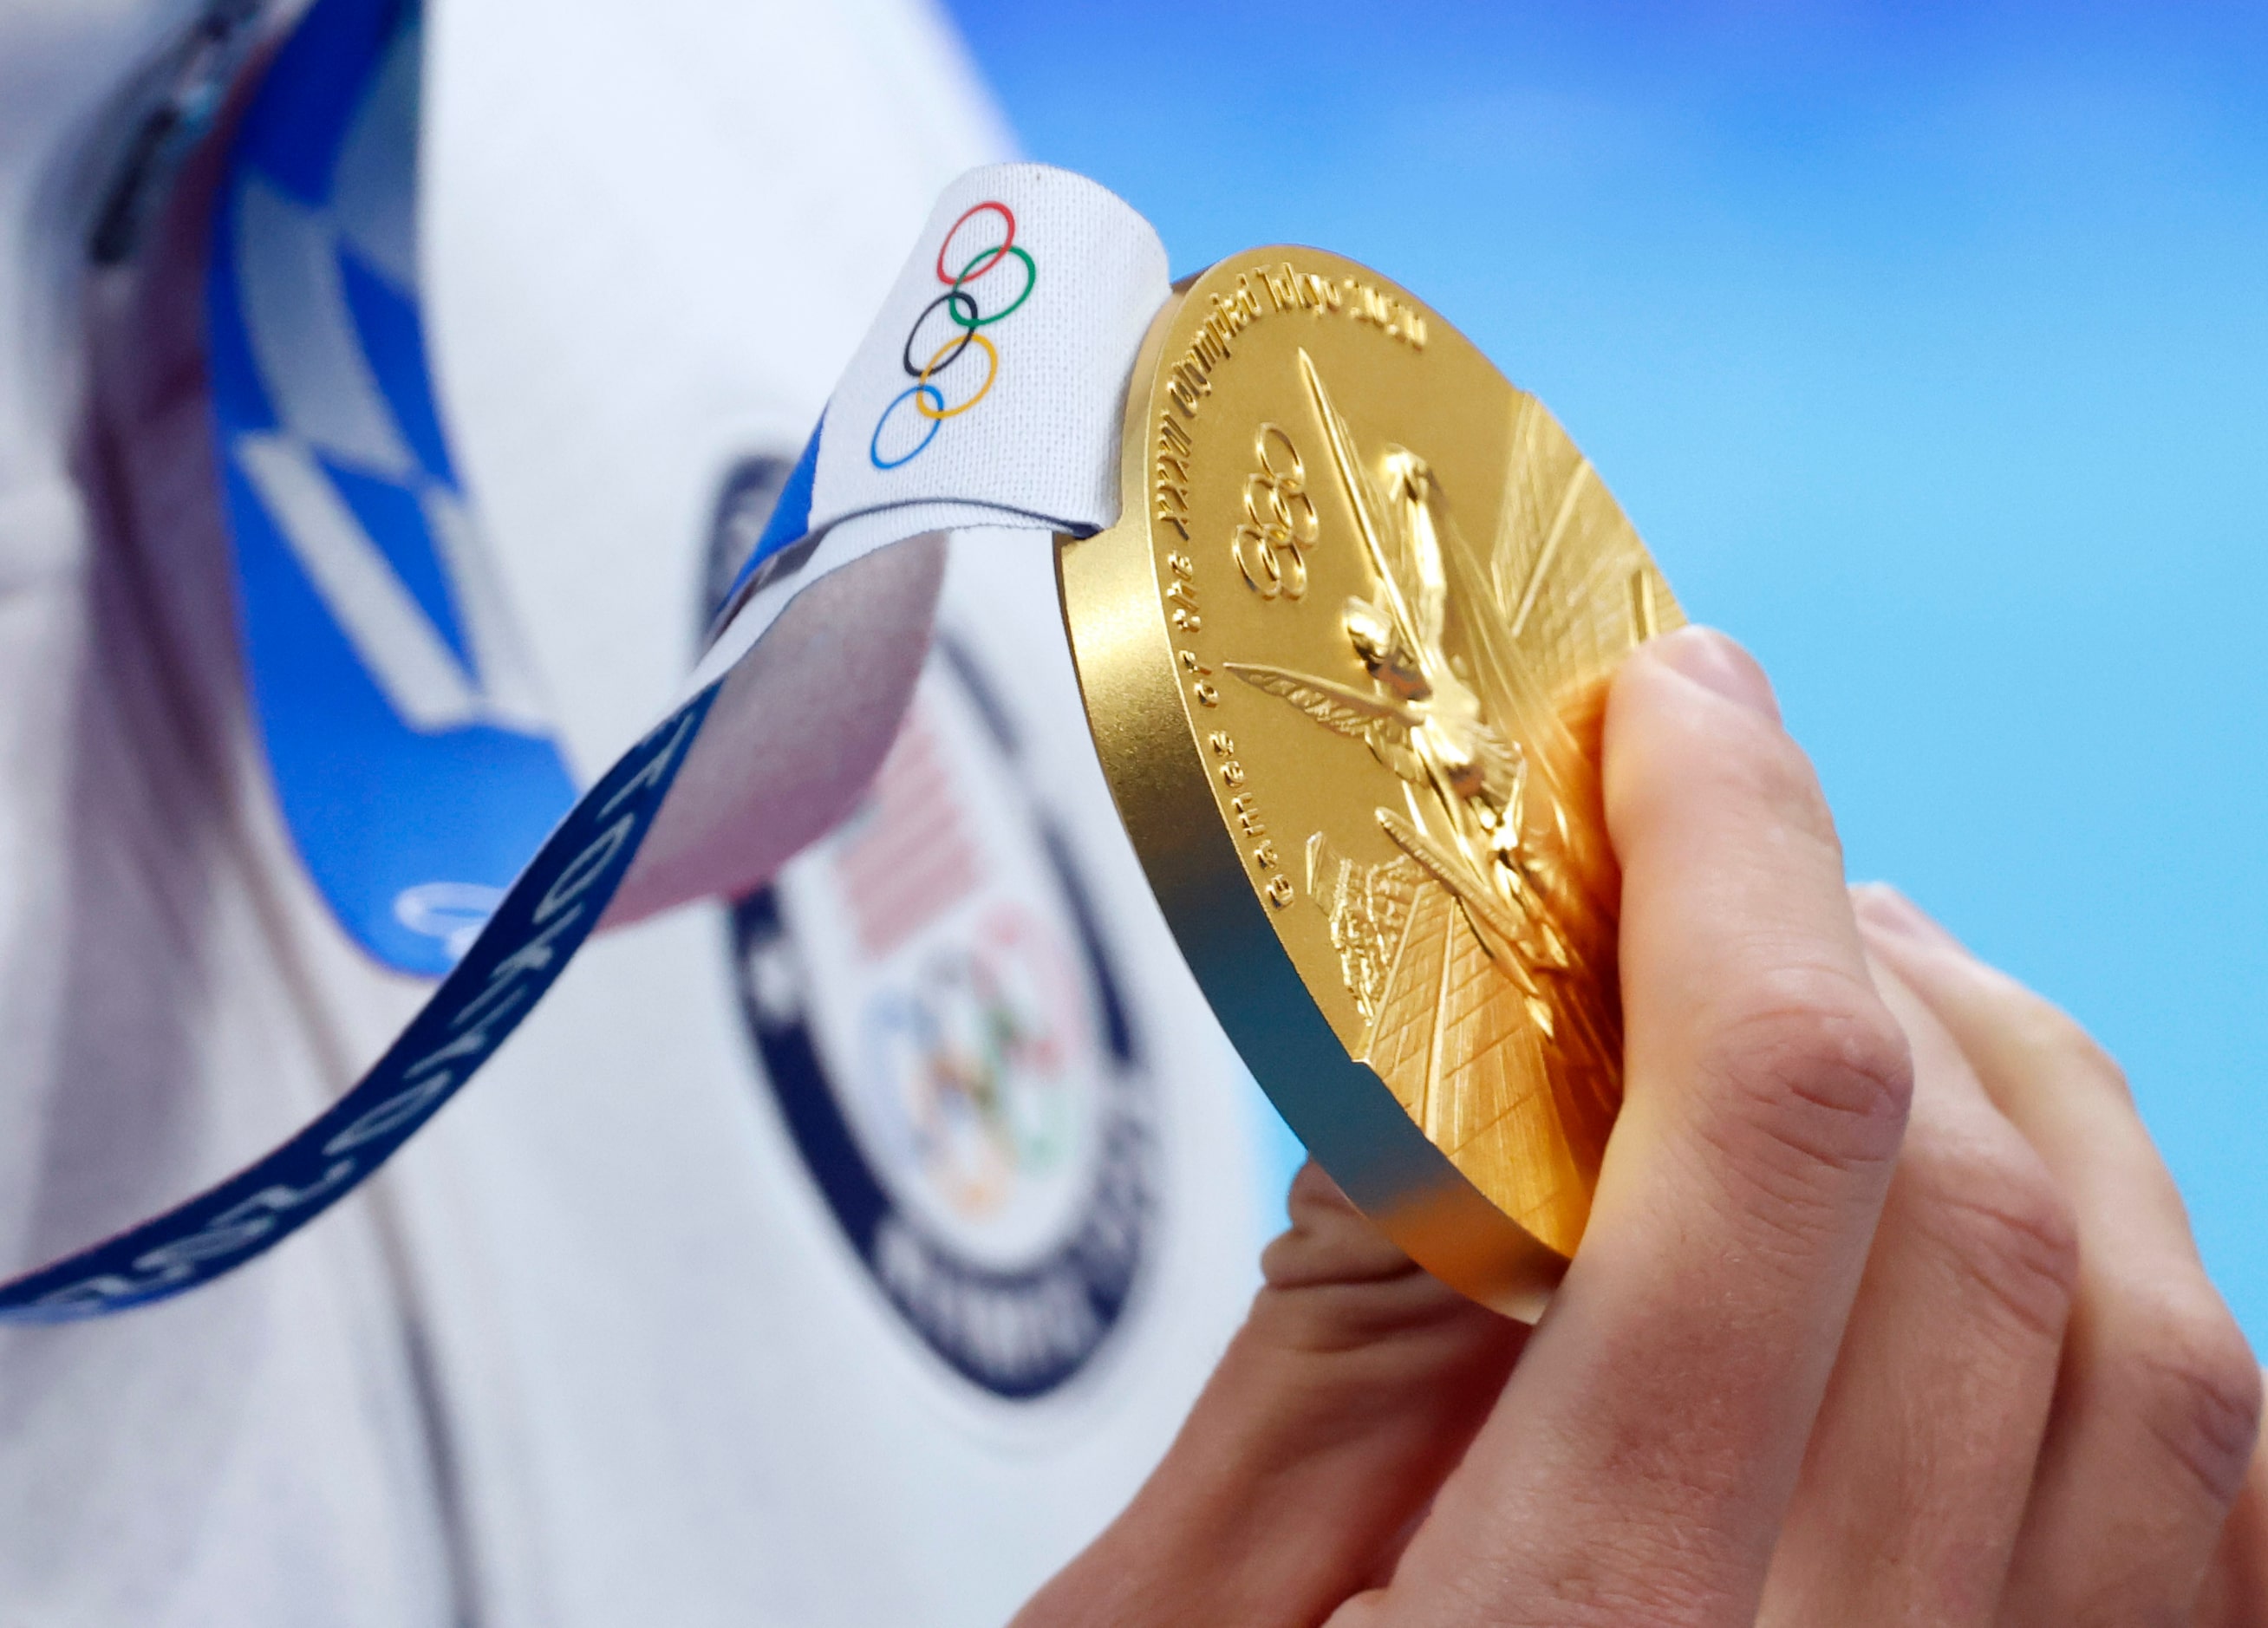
1345, 656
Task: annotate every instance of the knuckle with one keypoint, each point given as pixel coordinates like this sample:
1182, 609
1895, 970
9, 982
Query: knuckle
1764, 769
1815, 1071
1741, 764
1330, 1242
2074, 1055
2047, 1032
1999, 1218
2193, 1381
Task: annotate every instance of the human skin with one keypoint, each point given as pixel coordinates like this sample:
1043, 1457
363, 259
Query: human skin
1888, 1311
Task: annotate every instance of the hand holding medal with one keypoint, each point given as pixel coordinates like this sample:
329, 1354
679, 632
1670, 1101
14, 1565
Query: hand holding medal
1350, 654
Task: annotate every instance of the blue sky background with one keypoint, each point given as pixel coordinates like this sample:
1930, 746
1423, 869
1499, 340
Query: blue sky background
1927, 347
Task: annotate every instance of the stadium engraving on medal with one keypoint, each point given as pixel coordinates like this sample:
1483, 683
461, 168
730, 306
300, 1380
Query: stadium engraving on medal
1344, 655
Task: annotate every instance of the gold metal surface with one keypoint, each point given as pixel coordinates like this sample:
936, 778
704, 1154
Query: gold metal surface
1344, 656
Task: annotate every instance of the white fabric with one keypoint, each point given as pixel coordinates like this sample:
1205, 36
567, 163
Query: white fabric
594, 1351
1032, 443
1043, 439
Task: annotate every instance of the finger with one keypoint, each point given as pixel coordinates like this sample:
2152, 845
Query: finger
1914, 1482
2159, 1405
2235, 1592
1354, 1385
1645, 1449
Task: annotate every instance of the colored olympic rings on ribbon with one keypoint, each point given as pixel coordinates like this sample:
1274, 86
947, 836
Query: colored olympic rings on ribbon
953, 299
1030, 276
921, 379
916, 394
1007, 241
964, 314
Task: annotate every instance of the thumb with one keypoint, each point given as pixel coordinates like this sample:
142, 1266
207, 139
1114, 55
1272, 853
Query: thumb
1341, 1405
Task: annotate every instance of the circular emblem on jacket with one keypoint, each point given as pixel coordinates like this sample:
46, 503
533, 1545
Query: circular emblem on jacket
948, 1042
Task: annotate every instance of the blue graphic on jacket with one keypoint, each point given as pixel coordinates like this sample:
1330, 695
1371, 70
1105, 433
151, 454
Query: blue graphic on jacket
411, 753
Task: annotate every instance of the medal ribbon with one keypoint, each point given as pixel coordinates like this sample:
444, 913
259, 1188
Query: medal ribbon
989, 393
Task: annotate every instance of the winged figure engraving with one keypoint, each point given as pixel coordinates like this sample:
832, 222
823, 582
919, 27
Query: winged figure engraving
1382, 724
1482, 956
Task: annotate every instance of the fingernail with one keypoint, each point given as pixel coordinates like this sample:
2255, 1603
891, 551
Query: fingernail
1892, 912
1717, 663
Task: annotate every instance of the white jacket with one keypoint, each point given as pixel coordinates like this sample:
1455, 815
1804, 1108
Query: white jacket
597, 1350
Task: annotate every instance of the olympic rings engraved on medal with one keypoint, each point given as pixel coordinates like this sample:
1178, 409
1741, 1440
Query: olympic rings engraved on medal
1280, 521
927, 395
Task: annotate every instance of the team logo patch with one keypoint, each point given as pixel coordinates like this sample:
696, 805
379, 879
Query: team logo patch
939, 1019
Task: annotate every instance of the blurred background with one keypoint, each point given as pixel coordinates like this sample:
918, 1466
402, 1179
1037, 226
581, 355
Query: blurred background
1927, 347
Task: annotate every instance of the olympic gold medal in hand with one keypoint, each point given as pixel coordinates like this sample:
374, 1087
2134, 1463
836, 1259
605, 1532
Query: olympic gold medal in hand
1345, 656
